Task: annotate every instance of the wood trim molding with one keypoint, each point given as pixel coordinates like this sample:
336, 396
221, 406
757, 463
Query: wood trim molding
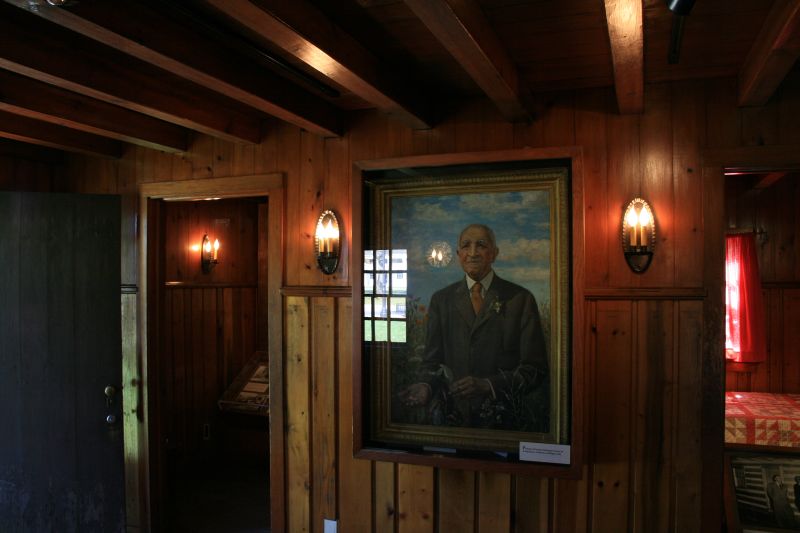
774, 157
462, 158
317, 291
272, 186
223, 285
233, 187
656, 293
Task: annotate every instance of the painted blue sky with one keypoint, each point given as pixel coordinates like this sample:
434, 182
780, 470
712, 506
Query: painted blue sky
520, 220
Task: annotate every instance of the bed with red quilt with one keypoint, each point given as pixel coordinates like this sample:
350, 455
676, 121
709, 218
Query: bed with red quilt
762, 419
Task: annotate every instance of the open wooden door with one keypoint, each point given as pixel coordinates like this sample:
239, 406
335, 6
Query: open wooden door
61, 462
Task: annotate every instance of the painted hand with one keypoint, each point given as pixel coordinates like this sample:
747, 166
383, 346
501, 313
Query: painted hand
470, 386
416, 395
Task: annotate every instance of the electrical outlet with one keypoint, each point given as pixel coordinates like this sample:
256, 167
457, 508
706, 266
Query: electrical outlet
331, 526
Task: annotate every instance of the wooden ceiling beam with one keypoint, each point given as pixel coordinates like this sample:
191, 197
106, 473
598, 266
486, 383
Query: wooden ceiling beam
772, 55
462, 28
37, 132
150, 35
33, 99
299, 29
61, 57
626, 34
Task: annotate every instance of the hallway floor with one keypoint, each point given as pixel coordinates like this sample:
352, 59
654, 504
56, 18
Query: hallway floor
228, 497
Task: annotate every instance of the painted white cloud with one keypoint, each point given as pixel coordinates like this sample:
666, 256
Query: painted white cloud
528, 250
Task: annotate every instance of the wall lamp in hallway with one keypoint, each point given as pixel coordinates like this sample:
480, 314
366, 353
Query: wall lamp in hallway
326, 242
209, 254
638, 235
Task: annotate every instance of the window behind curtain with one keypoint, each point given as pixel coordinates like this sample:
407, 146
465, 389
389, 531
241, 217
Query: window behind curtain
745, 333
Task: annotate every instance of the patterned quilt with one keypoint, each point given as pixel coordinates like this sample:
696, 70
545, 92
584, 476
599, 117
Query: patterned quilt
762, 418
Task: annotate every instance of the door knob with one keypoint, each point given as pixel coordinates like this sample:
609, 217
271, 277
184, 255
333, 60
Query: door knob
109, 391
111, 420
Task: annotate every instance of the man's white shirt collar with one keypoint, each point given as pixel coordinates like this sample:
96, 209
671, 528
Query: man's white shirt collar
486, 282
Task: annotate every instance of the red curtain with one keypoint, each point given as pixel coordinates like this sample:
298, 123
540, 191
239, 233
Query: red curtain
745, 330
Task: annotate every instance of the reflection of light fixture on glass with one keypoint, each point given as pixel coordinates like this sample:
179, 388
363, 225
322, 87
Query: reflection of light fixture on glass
326, 242
439, 254
209, 254
638, 235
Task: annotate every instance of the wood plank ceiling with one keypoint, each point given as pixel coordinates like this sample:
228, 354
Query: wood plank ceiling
91, 75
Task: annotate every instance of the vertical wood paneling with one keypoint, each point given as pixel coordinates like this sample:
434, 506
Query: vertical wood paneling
656, 187
180, 398
688, 419
323, 397
612, 414
415, 499
531, 504
310, 202
623, 186
723, 120
298, 432
337, 197
385, 504
590, 132
494, 497
456, 500
760, 124
791, 341
654, 417
570, 503
355, 475
634, 399
788, 107
558, 123
688, 134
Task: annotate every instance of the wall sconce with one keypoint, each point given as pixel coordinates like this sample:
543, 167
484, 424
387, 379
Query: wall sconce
326, 242
638, 235
209, 254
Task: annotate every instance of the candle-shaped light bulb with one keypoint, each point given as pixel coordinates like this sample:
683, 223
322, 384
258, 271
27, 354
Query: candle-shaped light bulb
329, 234
644, 221
439, 256
216, 248
631, 218
433, 254
206, 246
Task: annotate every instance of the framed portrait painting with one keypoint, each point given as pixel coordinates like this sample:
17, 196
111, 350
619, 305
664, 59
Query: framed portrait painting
762, 490
464, 312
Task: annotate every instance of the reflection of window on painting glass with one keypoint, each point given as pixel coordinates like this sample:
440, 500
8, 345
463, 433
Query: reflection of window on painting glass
745, 333
385, 287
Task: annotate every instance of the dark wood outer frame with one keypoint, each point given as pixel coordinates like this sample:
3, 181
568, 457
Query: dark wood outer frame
577, 381
729, 492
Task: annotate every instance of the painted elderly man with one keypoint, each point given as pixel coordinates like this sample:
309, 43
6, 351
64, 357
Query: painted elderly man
484, 350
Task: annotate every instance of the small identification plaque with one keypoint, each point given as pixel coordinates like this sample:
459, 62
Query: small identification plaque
544, 453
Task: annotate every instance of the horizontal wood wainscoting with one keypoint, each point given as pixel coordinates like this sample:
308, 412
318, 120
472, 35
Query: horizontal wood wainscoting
643, 372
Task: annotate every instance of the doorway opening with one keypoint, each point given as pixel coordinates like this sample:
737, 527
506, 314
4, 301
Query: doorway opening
211, 337
210, 422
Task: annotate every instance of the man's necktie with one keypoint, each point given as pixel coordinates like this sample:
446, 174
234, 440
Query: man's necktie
476, 297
